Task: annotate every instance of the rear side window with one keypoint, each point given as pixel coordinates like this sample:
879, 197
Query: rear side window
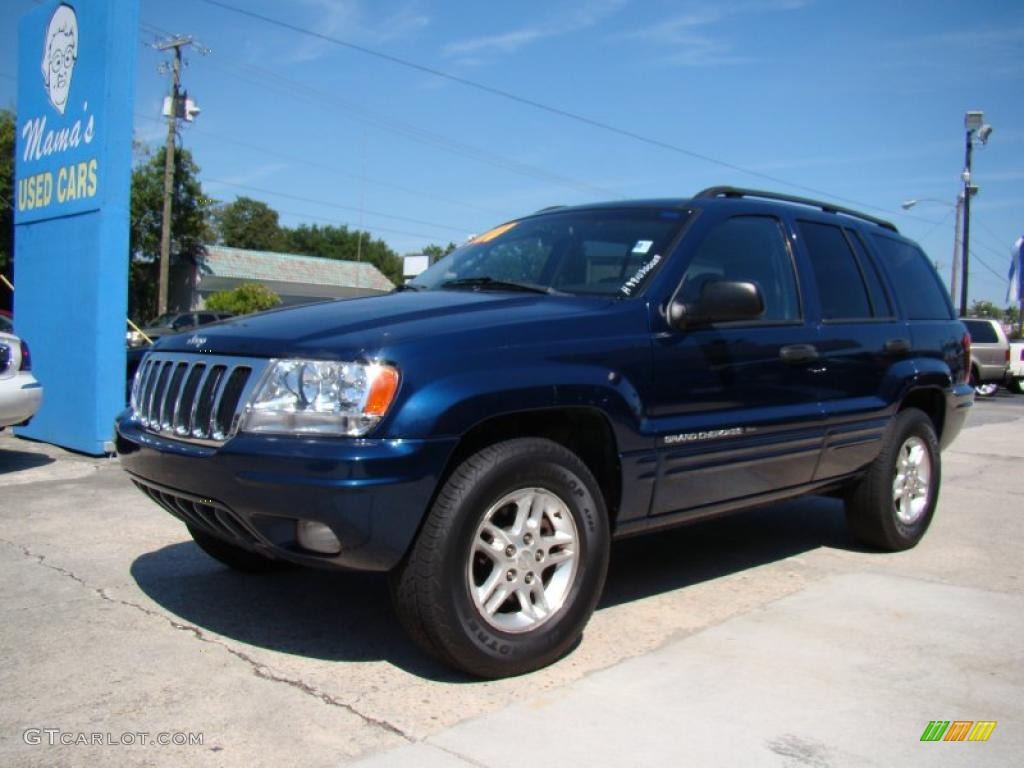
749, 249
840, 282
981, 332
879, 300
918, 288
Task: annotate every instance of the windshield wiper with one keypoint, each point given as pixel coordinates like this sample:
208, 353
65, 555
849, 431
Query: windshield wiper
408, 287
499, 285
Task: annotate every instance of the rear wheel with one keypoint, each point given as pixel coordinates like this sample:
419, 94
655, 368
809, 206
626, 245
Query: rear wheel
1016, 385
510, 562
892, 506
231, 555
982, 390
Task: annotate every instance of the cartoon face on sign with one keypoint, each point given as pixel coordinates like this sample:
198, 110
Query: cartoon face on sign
60, 50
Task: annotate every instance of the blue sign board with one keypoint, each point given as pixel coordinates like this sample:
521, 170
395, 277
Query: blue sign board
76, 80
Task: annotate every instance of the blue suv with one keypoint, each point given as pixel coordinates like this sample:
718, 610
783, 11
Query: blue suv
564, 379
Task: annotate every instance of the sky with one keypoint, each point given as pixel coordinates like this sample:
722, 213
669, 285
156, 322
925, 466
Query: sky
426, 122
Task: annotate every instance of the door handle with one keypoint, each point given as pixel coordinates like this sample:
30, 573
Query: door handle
897, 346
795, 354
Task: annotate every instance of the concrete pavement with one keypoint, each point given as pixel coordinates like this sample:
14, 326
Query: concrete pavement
767, 638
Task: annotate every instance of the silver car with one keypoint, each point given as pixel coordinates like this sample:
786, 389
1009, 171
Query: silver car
990, 354
20, 394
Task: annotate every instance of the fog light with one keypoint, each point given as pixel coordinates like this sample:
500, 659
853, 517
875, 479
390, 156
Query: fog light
317, 537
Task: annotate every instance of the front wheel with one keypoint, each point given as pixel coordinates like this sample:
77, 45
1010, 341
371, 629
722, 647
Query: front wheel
986, 390
510, 562
892, 506
1016, 385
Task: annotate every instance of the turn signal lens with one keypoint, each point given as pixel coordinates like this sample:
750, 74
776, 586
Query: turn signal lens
383, 386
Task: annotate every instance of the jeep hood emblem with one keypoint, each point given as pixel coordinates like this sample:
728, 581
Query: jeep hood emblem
196, 341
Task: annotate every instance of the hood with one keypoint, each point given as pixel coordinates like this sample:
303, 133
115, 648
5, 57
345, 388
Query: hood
352, 326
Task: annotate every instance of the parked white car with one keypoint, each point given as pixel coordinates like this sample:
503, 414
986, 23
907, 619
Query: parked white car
1015, 375
20, 393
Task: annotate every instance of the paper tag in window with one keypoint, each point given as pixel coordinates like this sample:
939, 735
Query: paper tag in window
642, 246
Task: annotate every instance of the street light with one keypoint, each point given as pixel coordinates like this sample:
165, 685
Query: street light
977, 130
954, 274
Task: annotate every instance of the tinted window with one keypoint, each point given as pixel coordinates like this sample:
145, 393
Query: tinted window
880, 303
611, 252
840, 284
206, 317
750, 249
981, 332
919, 290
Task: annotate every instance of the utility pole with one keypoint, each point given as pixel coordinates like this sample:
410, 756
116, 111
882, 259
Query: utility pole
172, 123
955, 274
965, 260
977, 130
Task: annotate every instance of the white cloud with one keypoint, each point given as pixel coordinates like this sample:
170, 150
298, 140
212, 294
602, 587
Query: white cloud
352, 19
689, 40
555, 25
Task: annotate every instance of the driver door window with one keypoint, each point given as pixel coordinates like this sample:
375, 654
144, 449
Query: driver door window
747, 249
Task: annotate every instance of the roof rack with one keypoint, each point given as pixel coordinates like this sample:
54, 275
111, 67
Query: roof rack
549, 208
826, 207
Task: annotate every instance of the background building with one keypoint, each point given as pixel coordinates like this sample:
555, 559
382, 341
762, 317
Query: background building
295, 279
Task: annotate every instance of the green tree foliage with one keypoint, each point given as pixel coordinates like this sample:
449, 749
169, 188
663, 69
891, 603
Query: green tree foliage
332, 242
189, 224
243, 300
248, 223
436, 252
7, 192
981, 308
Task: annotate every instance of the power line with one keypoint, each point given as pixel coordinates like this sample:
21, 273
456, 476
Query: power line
508, 95
337, 205
322, 166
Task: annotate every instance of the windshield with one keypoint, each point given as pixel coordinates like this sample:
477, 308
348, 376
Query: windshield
603, 252
162, 320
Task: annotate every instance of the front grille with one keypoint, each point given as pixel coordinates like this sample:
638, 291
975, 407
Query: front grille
193, 398
206, 514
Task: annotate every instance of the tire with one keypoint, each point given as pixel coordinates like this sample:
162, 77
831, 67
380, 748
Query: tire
233, 556
478, 590
875, 509
987, 389
1016, 385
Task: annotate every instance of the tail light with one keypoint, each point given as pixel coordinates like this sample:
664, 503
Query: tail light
26, 357
1007, 354
965, 342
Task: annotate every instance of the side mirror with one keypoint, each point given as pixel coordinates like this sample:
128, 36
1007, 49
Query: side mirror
721, 301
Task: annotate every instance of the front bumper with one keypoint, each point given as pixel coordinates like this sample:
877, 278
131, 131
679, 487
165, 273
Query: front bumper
251, 491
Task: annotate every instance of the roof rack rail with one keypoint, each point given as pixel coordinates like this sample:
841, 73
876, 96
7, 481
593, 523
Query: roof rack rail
826, 207
549, 208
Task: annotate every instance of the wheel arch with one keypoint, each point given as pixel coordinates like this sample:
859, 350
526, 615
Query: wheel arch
585, 431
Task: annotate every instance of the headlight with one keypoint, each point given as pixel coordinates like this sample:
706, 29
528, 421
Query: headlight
134, 339
317, 397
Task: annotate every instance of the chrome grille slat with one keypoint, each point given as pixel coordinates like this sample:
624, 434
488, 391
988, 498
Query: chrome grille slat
193, 398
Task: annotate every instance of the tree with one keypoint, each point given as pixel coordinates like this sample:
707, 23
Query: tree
243, 300
248, 223
981, 308
189, 225
349, 245
436, 252
7, 194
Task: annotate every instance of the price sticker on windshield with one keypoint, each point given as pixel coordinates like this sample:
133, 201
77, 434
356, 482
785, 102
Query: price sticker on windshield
486, 237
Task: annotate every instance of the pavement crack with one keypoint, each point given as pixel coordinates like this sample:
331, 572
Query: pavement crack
260, 670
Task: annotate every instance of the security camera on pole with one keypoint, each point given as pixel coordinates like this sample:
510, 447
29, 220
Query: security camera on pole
977, 130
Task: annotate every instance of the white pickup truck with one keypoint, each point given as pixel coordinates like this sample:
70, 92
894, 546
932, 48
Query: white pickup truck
1015, 373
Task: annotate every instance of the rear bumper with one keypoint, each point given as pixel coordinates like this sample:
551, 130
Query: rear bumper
20, 398
373, 494
958, 404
